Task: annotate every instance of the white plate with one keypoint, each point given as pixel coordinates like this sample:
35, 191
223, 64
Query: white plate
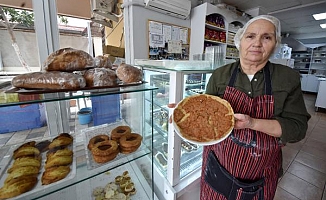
197, 142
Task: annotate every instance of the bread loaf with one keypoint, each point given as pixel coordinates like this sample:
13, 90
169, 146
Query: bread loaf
49, 80
103, 62
129, 74
100, 77
68, 60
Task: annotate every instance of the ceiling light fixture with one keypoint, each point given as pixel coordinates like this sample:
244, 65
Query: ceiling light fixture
323, 25
319, 16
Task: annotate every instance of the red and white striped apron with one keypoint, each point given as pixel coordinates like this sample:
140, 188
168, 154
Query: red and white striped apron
247, 154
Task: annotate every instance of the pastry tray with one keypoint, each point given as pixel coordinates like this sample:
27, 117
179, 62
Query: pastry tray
106, 129
136, 175
90, 89
8, 161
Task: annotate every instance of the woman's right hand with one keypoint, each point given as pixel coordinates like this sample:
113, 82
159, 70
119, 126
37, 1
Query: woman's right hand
171, 105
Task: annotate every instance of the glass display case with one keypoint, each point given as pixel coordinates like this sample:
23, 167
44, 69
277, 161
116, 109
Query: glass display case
178, 161
85, 176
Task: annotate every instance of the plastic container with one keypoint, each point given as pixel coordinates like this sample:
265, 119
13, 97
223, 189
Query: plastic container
84, 115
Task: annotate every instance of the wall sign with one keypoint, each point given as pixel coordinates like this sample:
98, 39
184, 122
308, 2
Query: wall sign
168, 41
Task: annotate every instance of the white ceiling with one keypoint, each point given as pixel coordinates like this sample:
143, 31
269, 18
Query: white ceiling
295, 16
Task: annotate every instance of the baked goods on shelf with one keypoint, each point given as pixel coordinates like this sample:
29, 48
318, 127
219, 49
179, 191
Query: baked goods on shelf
105, 151
119, 131
100, 77
122, 188
103, 62
43, 145
27, 149
129, 74
58, 159
203, 118
130, 143
55, 174
25, 161
62, 140
49, 80
97, 139
20, 186
68, 60
22, 175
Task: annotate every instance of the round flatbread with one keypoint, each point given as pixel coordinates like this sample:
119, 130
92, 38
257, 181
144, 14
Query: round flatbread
203, 119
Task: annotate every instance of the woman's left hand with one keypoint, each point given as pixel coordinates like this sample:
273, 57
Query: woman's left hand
243, 121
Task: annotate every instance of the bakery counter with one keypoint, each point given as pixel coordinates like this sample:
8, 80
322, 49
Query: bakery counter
101, 163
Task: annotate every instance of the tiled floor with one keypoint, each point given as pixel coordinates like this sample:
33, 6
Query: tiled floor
304, 162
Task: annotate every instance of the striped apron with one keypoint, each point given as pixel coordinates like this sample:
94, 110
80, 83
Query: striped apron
247, 155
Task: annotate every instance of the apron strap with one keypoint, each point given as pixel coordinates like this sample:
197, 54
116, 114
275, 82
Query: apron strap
267, 76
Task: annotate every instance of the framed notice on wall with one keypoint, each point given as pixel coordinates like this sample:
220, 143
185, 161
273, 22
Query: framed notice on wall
168, 41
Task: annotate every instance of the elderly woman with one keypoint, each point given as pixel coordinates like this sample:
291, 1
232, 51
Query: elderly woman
270, 111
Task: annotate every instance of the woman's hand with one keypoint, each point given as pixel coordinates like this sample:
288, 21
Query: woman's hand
243, 121
171, 105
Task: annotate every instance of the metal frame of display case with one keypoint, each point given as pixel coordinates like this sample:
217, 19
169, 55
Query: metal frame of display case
174, 184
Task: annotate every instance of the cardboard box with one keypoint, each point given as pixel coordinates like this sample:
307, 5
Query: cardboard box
114, 51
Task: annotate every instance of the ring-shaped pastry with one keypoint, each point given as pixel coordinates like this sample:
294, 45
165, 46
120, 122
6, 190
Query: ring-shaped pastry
104, 159
119, 131
130, 142
96, 139
105, 148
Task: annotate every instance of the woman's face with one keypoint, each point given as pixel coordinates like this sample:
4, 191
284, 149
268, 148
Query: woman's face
258, 42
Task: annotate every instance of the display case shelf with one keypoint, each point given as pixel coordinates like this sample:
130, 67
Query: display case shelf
183, 159
132, 104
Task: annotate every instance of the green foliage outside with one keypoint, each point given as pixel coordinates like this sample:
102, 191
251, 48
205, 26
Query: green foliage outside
24, 17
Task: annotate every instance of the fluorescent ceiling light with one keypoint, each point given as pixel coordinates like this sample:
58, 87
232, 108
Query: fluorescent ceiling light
323, 25
319, 16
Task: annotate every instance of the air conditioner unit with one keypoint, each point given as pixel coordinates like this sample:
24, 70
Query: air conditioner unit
176, 8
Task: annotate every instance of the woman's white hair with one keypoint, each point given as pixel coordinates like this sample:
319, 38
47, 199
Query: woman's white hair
269, 18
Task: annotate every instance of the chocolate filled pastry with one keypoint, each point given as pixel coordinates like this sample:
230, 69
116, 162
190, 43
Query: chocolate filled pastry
22, 171
17, 187
26, 151
59, 152
25, 161
43, 146
62, 140
54, 161
119, 131
54, 174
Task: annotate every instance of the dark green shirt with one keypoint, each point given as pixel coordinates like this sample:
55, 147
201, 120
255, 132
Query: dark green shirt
289, 106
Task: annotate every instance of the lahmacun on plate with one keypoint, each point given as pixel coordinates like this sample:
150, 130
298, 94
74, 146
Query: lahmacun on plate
203, 119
